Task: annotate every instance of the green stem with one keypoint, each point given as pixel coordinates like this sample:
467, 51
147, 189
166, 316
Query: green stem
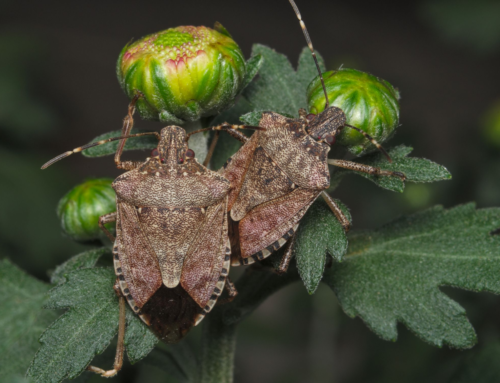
218, 346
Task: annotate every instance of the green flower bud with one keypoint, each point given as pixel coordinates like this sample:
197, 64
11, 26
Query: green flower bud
185, 73
79, 210
369, 103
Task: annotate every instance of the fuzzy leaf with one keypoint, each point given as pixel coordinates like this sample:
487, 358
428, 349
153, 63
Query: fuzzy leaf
83, 260
319, 232
393, 274
253, 66
279, 87
135, 143
139, 339
22, 320
415, 169
86, 329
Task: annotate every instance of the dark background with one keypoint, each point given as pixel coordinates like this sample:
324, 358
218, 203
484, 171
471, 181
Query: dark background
58, 90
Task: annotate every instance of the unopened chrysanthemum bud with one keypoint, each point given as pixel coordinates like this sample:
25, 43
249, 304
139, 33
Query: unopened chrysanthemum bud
369, 103
79, 210
184, 73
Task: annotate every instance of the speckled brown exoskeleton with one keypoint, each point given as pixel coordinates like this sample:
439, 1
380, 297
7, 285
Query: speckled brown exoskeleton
171, 251
279, 172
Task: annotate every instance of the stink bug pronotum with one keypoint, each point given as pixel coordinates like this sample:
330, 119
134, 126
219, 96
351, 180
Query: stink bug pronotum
279, 172
171, 251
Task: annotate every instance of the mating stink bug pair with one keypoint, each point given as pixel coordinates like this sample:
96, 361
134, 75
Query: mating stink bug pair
172, 250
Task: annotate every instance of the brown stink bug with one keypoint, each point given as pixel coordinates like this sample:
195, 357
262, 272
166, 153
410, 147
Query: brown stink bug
279, 172
171, 251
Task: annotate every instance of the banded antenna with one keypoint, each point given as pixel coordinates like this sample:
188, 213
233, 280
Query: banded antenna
310, 45
92, 144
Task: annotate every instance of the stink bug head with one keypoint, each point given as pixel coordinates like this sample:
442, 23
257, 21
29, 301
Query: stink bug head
326, 125
172, 147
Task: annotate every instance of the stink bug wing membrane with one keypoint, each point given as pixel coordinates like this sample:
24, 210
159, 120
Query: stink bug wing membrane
265, 226
208, 258
138, 262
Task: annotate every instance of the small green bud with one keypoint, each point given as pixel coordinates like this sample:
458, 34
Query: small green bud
185, 73
79, 210
369, 103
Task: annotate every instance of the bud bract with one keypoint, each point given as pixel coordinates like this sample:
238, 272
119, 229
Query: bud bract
185, 73
369, 103
79, 210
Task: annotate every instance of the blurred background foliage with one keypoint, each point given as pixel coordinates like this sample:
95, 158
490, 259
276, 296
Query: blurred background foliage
58, 90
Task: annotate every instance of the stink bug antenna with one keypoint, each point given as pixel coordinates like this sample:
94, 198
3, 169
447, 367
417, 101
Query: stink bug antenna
372, 140
310, 45
80, 148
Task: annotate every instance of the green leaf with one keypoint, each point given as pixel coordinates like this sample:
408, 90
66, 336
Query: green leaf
253, 66
22, 320
415, 169
139, 339
83, 260
319, 232
87, 328
135, 143
279, 87
393, 274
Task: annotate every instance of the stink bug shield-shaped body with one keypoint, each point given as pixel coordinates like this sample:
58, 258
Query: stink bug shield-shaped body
279, 172
171, 251
171, 237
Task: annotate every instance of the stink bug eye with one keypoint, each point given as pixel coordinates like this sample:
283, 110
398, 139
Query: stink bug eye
330, 140
155, 153
310, 117
189, 154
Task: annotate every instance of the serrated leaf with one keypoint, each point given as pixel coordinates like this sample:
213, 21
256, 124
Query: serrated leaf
393, 274
139, 340
279, 87
83, 260
319, 232
135, 143
415, 169
86, 329
22, 320
253, 66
